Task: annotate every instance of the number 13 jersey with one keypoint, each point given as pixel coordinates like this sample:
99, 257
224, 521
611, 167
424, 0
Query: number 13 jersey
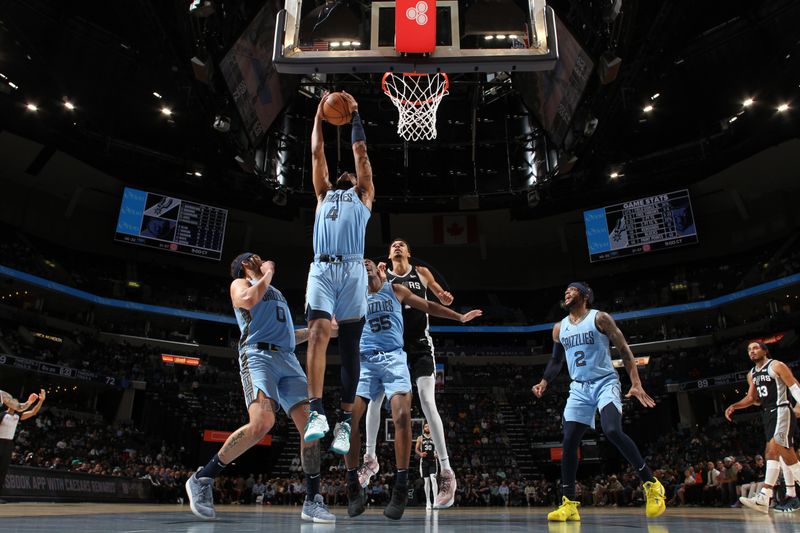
383, 330
770, 387
340, 224
587, 351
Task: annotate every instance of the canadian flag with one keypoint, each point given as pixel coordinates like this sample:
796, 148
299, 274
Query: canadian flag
455, 229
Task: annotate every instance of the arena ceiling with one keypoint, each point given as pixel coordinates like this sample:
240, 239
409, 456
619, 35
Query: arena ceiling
107, 59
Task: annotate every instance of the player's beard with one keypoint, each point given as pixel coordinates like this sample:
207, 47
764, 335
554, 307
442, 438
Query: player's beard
567, 306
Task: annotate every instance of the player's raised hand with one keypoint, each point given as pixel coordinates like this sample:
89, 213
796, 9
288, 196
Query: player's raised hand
638, 392
475, 313
351, 102
539, 388
382, 271
445, 297
267, 267
42, 395
729, 413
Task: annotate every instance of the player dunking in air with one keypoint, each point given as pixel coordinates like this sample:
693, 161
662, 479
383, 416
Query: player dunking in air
426, 451
337, 282
271, 378
769, 382
418, 345
384, 371
582, 338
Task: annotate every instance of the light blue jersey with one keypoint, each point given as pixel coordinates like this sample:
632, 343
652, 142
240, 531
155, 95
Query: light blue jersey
383, 330
340, 224
587, 351
269, 321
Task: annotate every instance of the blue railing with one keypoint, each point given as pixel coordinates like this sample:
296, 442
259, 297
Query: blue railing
225, 319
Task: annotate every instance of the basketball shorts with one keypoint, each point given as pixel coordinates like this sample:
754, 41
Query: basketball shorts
779, 424
588, 397
383, 373
277, 374
420, 359
428, 468
338, 289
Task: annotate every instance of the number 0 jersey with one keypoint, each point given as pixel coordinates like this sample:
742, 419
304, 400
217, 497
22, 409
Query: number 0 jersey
769, 386
586, 347
340, 224
383, 330
268, 321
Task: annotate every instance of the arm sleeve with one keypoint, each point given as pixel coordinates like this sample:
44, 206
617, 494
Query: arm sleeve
556, 362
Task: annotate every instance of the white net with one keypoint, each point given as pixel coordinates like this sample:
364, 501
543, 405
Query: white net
416, 97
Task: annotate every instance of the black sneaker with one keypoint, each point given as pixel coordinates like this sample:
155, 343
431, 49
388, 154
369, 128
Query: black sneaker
356, 500
398, 503
789, 505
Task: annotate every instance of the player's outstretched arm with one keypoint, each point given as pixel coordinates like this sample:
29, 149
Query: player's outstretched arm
366, 188
33, 412
408, 298
319, 165
16, 405
554, 365
445, 297
246, 296
750, 398
607, 325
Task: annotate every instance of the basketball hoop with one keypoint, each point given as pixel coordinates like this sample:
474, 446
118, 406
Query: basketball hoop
416, 96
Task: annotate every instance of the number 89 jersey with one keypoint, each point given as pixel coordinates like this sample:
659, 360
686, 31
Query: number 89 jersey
268, 321
586, 348
383, 330
771, 390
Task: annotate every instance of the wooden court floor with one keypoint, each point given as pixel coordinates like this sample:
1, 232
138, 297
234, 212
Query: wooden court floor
140, 518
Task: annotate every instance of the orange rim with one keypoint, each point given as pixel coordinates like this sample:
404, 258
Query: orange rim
438, 95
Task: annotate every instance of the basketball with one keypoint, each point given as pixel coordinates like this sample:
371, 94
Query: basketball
336, 110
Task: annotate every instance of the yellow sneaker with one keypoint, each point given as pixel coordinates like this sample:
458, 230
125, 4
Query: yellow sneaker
568, 510
656, 503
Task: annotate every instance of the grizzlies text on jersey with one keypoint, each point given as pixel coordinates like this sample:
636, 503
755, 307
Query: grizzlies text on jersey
340, 224
383, 330
587, 351
268, 321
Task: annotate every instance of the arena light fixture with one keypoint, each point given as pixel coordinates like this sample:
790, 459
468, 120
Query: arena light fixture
647, 108
31, 107
13, 85
614, 175
655, 96
167, 112
783, 108
748, 102
733, 119
69, 105
157, 95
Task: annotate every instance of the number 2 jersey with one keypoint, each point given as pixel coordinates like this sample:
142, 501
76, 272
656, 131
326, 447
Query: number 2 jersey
340, 224
769, 386
383, 330
586, 347
268, 321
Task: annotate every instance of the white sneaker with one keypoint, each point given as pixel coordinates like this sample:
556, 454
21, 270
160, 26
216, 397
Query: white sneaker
759, 503
316, 511
447, 490
368, 469
341, 438
316, 427
201, 496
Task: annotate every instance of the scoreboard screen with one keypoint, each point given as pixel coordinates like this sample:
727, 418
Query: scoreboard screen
158, 221
639, 226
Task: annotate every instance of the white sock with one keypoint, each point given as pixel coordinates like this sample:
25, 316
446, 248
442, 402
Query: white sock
428, 491
426, 388
767, 493
435, 485
771, 477
373, 423
790, 476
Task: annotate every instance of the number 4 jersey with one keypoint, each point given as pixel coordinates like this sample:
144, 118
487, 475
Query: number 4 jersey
383, 330
268, 321
340, 224
587, 352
